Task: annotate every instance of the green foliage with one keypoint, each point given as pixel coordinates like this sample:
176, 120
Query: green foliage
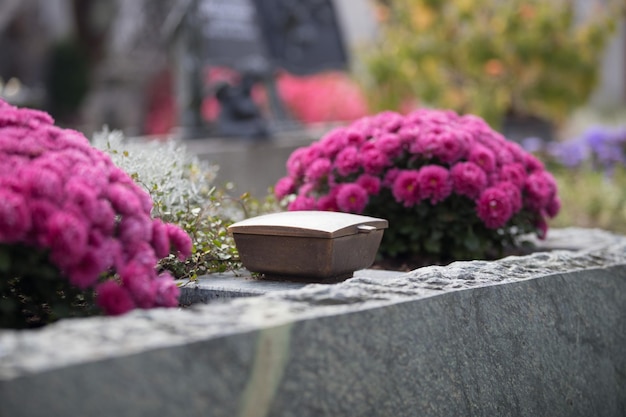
452, 232
183, 193
33, 292
488, 57
591, 199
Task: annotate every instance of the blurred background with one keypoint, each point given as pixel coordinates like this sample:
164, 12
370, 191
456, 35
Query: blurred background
548, 74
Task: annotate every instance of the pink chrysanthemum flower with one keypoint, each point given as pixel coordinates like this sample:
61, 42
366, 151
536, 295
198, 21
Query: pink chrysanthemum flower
114, 299
347, 161
167, 292
494, 207
318, 170
417, 162
373, 161
515, 173
483, 157
406, 188
390, 145
328, 202
351, 198
284, 187
302, 202
434, 183
295, 166
60, 195
468, 179
515, 195
370, 183
333, 142
181, 242
15, 219
541, 188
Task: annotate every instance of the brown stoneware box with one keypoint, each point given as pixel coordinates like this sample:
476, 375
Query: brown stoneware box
308, 245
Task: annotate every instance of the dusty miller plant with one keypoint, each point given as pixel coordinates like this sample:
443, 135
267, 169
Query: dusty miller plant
183, 191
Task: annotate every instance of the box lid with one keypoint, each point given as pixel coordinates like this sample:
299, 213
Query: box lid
319, 224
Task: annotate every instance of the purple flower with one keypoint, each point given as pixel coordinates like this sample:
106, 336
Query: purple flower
434, 183
138, 281
66, 236
515, 173
113, 299
468, 179
347, 161
406, 188
86, 272
284, 187
483, 157
390, 145
167, 292
333, 142
302, 202
494, 207
317, 170
540, 188
180, 241
370, 183
123, 199
515, 195
160, 238
15, 218
351, 198
373, 161
571, 153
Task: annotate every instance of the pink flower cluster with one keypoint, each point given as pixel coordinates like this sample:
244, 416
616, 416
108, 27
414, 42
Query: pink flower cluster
60, 194
423, 157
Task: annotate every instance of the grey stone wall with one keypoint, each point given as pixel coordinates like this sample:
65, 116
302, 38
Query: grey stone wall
523, 336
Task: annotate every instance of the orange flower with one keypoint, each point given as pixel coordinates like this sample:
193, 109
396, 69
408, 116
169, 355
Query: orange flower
494, 67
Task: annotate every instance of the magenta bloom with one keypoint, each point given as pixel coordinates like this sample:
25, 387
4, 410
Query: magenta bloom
15, 220
60, 195
284, 187
347, 161
319, 169
333, 142
351, 198
494, 207
434, 183
160, 238
426, 155
468, 179
86, 272
302, 202
406, 188
137, 279
181, 242
541, 189
167, 292
113, 299
451, 146
390, 144
483, 157
515, 173
514, 193
67, 238
373, 161
328, 202
370, 183
295, 166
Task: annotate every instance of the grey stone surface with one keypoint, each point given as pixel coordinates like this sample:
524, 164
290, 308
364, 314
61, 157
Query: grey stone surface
241, 283
537, 335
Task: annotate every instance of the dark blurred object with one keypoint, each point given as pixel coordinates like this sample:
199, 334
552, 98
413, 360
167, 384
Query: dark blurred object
239, 114
302, 36
67, 81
